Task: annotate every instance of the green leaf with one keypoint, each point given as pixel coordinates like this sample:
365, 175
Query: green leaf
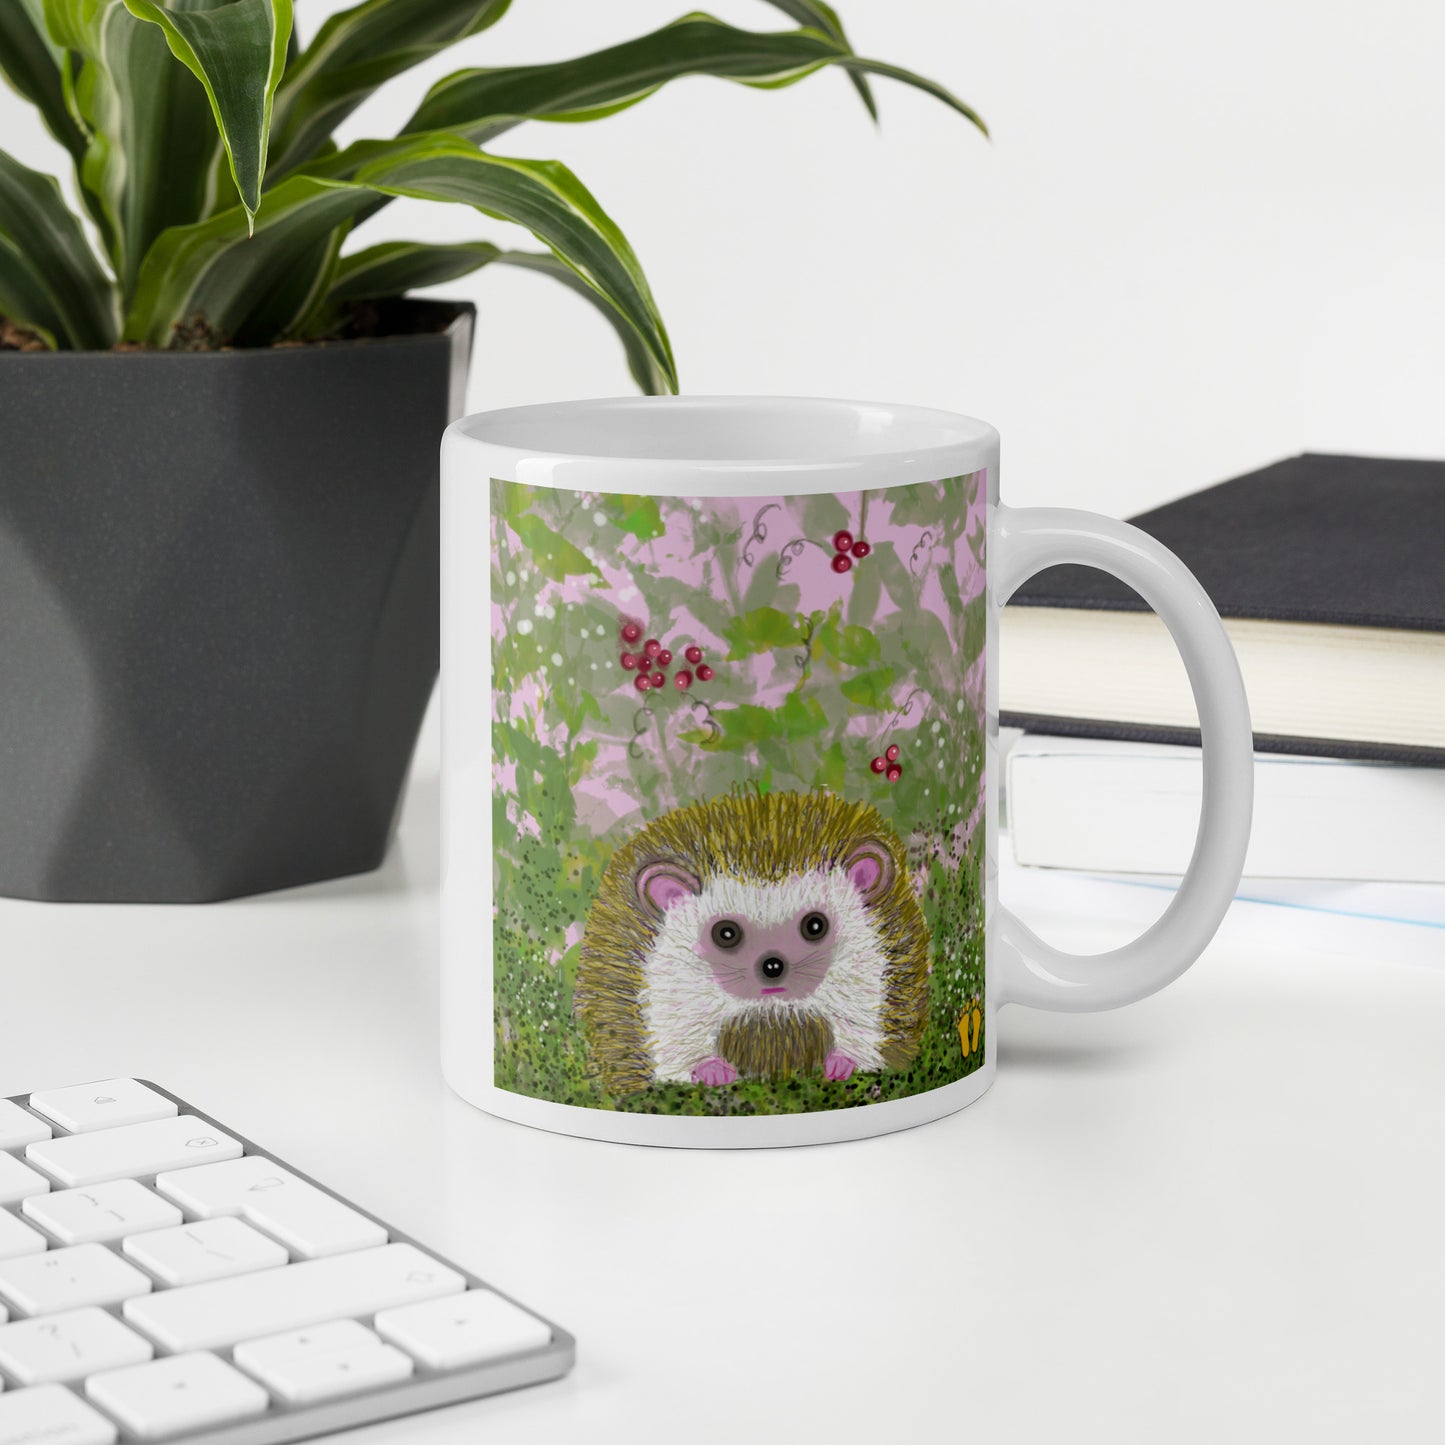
832, 768
31, 64
237, 51
150, 160
481, 104
761, 630
395, 267
48, 263
818, 16
869, 689
747, 725
353, 53
651, 373
211, 268
639, 516
552, 554
24, 298
853, 646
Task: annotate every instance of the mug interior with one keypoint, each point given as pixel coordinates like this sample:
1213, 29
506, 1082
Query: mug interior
743, 434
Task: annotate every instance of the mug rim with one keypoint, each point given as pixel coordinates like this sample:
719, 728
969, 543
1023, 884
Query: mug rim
702, 447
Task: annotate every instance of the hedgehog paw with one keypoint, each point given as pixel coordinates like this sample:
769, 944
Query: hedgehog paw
714, 1072
838, 1066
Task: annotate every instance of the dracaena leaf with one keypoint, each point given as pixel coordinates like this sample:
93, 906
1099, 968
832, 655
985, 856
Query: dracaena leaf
481, 104
31, 62
815, 15
395, 267
150, 158
211, 271
357, 50
49, 276
237, 50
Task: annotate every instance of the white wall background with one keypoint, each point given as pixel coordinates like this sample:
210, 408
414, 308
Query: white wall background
1201, 238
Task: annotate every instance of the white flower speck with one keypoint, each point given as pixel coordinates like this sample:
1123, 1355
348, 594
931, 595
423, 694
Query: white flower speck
524, 626
556, 659
511, 578
599, 519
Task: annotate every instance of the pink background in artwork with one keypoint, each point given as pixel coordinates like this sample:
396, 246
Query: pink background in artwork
605, 800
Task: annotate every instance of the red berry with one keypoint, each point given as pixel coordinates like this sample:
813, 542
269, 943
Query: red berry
705, 673
631, 632
651, 648
658, 679
628, 661
693, 654
664, 658
892, 753
642, 682
842, 541
877, 765
842, 562
683, 680
861, 550
895, 771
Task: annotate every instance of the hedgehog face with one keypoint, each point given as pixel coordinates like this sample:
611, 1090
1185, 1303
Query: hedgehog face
750, 958
764, 942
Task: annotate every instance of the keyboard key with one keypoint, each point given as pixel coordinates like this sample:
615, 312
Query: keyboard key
83, 1108
18, 1181
66, 1347
17, 1128
170, 1397
102, 1213
51, 1415
18, 1238
307, 1220
469, 1329
67, 1279
209, 1249
303, 1367
227, 1311
132, 1150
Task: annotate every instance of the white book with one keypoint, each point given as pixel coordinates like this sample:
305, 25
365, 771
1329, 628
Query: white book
1105, 806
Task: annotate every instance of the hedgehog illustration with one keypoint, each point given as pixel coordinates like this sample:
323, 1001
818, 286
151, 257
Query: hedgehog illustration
759, 936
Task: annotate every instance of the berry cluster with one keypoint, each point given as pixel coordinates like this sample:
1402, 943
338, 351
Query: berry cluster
650, 663
847, 547
888, 764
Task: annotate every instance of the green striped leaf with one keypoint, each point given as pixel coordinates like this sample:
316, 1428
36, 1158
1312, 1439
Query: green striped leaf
49, 276
354, 52
237, 50
30, 62
211, 271
481, 104
814, 15
150, 160
395, 267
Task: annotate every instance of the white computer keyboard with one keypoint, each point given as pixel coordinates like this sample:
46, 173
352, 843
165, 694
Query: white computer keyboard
161, 1278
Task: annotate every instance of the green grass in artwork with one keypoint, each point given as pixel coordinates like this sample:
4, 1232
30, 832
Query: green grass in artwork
541, 1053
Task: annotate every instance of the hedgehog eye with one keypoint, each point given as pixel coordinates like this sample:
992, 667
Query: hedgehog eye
726, 933
813, 927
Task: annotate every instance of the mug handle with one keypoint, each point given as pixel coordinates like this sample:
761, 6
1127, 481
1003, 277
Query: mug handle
1035, 973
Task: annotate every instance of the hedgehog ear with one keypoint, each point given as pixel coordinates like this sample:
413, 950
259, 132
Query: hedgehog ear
660, 885
870, 869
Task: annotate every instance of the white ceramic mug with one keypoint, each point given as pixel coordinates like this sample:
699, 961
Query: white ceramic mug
719, 784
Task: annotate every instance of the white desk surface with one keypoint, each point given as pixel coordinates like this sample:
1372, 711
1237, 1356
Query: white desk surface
1218, 1214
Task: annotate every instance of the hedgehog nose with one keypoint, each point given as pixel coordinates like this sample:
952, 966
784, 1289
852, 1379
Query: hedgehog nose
772, 967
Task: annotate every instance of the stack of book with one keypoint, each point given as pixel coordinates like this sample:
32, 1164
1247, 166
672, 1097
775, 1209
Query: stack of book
1329, 573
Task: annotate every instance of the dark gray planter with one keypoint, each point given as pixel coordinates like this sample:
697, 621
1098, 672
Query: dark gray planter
218, 609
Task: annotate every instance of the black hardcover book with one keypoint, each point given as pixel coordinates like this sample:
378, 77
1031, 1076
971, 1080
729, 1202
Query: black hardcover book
1330, 574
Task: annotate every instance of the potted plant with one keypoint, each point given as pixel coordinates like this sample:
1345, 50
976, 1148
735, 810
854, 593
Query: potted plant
218, 433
